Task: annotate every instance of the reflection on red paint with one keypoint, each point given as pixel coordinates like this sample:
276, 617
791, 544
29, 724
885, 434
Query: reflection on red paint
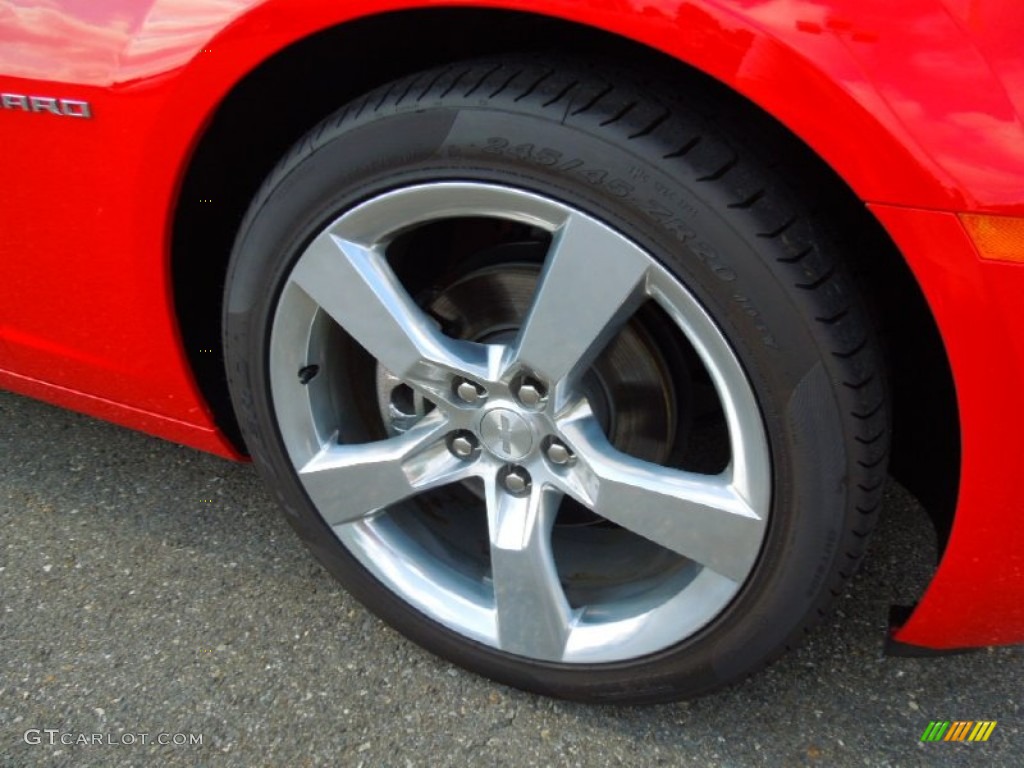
107, 41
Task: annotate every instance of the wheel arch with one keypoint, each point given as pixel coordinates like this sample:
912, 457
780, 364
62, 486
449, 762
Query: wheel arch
229, 161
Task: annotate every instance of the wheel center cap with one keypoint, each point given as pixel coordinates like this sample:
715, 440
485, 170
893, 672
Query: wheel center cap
506, 434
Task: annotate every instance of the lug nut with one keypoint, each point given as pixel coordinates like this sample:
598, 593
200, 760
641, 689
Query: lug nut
558, 453
462, 448
531, 393
470, 392
516, 481
462, 445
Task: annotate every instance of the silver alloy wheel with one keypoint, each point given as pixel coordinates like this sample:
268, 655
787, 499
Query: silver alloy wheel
513, 417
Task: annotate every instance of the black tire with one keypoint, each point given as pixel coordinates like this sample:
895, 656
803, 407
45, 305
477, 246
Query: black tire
650, 164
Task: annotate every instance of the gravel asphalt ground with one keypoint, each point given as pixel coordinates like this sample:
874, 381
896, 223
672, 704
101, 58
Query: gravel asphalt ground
149, 588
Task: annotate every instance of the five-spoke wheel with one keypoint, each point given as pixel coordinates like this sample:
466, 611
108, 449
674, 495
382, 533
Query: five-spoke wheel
515, 416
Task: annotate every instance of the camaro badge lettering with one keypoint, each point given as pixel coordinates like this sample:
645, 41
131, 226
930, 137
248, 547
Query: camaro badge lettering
41, 104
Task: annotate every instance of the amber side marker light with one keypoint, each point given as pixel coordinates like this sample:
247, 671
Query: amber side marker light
998, 238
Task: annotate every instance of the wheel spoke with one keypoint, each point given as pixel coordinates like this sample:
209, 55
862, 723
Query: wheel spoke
701, 517
356, 287
592, 282
533, 614
351, 482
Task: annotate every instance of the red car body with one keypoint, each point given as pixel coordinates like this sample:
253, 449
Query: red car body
918, 106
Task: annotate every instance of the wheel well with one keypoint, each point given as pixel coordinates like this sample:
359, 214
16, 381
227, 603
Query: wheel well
311, 78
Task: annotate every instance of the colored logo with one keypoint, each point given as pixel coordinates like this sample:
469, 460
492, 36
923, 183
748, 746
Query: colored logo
958, 730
